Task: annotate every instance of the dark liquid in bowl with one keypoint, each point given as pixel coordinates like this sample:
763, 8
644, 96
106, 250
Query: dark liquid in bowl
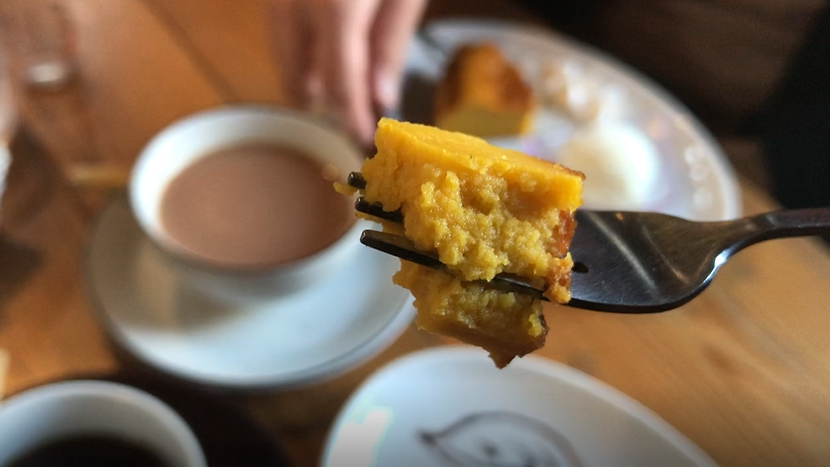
254, 206
89, 451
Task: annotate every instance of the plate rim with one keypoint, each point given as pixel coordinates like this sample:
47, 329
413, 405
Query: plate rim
543, 366
397, 324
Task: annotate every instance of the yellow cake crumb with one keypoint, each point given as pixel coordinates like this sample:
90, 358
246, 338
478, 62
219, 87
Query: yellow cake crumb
344, 189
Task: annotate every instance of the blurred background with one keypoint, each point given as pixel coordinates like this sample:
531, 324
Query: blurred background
85, 84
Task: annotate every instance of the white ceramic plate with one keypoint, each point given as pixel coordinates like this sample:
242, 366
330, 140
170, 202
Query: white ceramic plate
297, 339
696, 180
451, 407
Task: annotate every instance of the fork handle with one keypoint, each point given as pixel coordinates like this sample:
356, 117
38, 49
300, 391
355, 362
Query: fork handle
790, 223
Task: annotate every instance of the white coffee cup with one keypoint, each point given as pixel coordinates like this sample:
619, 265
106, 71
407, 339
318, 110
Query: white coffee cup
89, 408
202, 134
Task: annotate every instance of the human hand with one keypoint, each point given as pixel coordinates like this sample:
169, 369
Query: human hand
345, 56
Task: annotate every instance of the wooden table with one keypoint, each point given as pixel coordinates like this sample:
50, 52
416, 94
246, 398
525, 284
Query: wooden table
743, 370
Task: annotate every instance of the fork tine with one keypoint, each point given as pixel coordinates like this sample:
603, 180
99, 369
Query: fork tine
400, 246
356, 180
377, 210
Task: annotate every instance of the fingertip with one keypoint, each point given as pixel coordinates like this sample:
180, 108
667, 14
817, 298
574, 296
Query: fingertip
387, 89
366, 134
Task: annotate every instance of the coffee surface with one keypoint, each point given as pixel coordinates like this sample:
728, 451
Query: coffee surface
254, 206
89, 451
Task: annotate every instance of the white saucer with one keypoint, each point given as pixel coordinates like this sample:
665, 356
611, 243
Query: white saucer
696, 179
299, 339
451, 407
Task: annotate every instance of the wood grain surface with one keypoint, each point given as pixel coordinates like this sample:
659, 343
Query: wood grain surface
742, 370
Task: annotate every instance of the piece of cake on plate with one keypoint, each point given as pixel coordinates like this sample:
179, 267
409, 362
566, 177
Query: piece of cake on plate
482, 94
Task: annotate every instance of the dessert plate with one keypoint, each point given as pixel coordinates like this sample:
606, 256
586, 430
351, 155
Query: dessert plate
694, 178
451, 407
293, 340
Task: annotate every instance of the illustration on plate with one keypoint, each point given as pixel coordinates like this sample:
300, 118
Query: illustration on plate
500, 439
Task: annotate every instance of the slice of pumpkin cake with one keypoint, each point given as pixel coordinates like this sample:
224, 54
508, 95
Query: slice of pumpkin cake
483, 210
